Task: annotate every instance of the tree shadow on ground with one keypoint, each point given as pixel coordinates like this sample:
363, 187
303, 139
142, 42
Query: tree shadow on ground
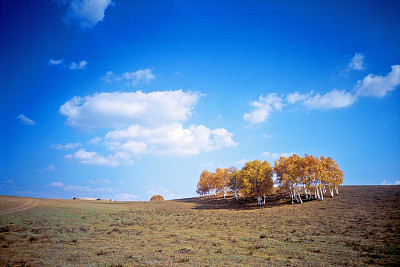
230, 203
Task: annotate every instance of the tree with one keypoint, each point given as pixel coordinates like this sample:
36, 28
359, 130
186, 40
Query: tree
313, 171
290, 175
204, 186
333, 175
221, 180
157, 198
234, 183
256, 179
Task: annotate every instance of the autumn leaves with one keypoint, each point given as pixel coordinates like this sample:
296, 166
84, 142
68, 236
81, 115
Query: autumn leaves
308, 177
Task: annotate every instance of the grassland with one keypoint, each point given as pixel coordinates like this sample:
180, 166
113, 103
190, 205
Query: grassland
361, 226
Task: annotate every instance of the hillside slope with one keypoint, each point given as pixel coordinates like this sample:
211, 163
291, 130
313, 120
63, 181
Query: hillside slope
360, 226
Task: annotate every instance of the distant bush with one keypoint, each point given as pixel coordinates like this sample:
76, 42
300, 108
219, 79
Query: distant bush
157, 198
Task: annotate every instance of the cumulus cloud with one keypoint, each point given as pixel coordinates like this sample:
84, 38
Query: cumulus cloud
142, 123
93, 158
330, 100
169, 139
371, 85
78, 66
25, 120
296, 97
377, 85
66, 146
357, 62
86, 13
132, 78
263, 108
115, 110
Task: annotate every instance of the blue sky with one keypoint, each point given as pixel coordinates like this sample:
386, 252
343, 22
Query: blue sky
127, 99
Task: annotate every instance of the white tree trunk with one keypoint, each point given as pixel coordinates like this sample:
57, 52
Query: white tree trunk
259, 199
322, 195
331, 191
337, 190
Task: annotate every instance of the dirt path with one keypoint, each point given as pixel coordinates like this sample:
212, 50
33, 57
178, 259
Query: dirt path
27, 205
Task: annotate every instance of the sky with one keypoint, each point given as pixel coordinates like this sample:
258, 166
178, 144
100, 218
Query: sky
127, 99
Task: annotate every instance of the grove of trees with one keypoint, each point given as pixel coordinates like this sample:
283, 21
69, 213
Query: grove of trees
308, 176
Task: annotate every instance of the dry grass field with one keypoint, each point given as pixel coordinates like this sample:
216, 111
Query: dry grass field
361, 226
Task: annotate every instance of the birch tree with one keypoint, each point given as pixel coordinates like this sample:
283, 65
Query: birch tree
256, 179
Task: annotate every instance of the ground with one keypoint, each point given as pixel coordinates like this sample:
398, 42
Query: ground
360, 226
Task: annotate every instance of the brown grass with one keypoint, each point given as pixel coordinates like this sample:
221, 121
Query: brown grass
359, 227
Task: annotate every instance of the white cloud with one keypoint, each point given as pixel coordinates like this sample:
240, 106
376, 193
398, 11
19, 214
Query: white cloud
115, 110
126, 197
330, 100
66, 146
50, 168
357, 62
275, 156
132, 78
57, 184
95, 140
142, 123
25, 120
297, 97
385, 182
56, 62
86, 13
80, 66
169, 139
93, 158
263, 108
72, 66
377, 85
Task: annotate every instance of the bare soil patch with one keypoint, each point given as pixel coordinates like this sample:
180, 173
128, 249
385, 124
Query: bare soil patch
30, 203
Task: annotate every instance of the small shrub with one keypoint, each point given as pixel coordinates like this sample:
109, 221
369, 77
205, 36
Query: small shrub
101, 252
157, 198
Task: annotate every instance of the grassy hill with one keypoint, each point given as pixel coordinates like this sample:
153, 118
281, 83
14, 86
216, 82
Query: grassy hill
361, 226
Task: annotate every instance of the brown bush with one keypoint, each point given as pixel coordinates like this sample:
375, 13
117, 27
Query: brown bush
157, 198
